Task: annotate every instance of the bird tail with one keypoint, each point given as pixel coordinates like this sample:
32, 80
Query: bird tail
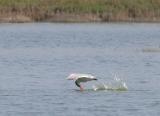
95, 79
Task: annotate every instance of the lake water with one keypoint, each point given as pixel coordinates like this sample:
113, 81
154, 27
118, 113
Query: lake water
36, 58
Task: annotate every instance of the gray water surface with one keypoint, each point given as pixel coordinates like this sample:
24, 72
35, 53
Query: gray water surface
36, 58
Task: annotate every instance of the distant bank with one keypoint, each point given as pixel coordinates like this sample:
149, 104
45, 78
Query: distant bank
79, 11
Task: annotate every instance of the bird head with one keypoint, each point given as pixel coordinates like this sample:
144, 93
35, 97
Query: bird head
72, 77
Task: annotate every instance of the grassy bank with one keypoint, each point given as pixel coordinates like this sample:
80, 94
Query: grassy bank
79, 10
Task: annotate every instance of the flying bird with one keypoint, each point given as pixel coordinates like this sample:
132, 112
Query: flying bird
78, 78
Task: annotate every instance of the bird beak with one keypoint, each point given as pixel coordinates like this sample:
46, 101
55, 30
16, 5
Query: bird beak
69, 78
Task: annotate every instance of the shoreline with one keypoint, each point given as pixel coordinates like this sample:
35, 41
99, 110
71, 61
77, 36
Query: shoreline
21, 11
75, 18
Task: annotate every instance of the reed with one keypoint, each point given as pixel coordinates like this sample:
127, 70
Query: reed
103, 10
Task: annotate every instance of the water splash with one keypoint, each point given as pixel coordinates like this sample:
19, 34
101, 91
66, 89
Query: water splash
116, 85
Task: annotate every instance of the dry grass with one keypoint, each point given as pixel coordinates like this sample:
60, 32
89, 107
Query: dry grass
106, 10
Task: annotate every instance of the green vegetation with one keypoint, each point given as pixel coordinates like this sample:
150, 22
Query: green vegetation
82, 10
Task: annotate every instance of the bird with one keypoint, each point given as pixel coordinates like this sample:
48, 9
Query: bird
78, 78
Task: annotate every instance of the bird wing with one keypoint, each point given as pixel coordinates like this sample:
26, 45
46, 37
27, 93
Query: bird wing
83, 79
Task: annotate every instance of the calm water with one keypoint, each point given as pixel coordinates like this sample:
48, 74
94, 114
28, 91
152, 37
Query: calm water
35, 60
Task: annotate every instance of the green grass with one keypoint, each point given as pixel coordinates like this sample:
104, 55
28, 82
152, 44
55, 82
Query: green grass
41, 9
